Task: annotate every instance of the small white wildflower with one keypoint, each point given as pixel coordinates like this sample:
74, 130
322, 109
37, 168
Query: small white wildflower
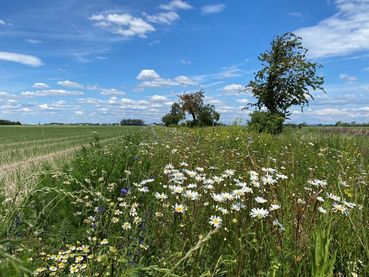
179, 208
126, 226
215, 221
320, 199
277, 223
104, 241
322, 210
160, 196
333, 197
274, 207
260, 200
259, 213
340, 208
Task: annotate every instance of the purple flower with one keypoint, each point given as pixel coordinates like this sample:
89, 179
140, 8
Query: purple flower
123, 191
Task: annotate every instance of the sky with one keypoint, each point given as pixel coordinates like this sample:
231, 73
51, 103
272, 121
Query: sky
101, 61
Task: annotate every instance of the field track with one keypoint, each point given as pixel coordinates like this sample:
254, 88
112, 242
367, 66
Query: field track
23, 164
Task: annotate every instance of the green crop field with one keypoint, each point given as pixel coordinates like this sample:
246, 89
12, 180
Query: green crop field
155, 201
24, 149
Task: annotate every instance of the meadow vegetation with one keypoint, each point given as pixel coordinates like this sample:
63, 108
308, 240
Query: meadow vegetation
221, 201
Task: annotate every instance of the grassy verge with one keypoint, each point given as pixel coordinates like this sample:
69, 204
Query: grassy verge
197, 202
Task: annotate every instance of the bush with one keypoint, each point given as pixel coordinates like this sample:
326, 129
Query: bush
266, 122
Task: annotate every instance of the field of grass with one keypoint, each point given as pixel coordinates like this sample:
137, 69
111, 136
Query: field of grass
24, 149
193, 202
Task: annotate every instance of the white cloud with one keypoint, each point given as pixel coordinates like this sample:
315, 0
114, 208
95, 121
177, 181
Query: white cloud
343, 33
69, 84
147, 74
347, 77
151, 79
243, 101
3, 22
159, 98
21, 58
295, 14
163, 18
33, 41
329, 111
233, 89
51, 92
59, 105
226, 72
184, 80
40, 85
5, 94
91, 101
78, 112
111, 92
176, 5
212, 9
183, 61
123, 24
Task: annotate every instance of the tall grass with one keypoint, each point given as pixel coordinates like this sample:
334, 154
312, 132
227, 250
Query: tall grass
197, 202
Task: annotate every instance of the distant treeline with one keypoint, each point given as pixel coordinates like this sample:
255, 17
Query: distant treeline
352, 124
82, 124
132, 122
8, 122
337, 124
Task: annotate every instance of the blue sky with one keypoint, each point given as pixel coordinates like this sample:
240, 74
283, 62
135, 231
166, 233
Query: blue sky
101, 61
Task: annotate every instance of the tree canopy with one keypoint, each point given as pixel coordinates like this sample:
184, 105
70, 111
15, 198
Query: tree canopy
132, 122
175, 115
287, 77
193, 104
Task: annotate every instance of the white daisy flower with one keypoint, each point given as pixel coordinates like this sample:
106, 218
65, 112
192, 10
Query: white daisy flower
259, 213
215, 221
260, 200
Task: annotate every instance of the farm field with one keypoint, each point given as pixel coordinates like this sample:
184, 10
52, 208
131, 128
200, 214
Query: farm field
24, 149
220, 201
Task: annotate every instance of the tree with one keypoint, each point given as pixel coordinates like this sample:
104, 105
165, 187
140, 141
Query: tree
132, 122
192, 103
175, 115
287, 77
208, 116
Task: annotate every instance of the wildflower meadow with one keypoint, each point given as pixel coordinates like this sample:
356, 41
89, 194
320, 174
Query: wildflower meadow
220, 201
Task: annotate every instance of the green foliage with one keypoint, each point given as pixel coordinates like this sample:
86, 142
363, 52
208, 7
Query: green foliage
208, 116
174, 116
8, 122
322, 264
287, 77
79, 211
266, 122
132, 122
192, 103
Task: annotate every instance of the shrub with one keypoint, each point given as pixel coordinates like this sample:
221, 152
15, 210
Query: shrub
266, 122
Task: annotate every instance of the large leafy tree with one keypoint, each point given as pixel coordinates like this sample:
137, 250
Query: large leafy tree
174, 116
192, 103
287, 78
208, 116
